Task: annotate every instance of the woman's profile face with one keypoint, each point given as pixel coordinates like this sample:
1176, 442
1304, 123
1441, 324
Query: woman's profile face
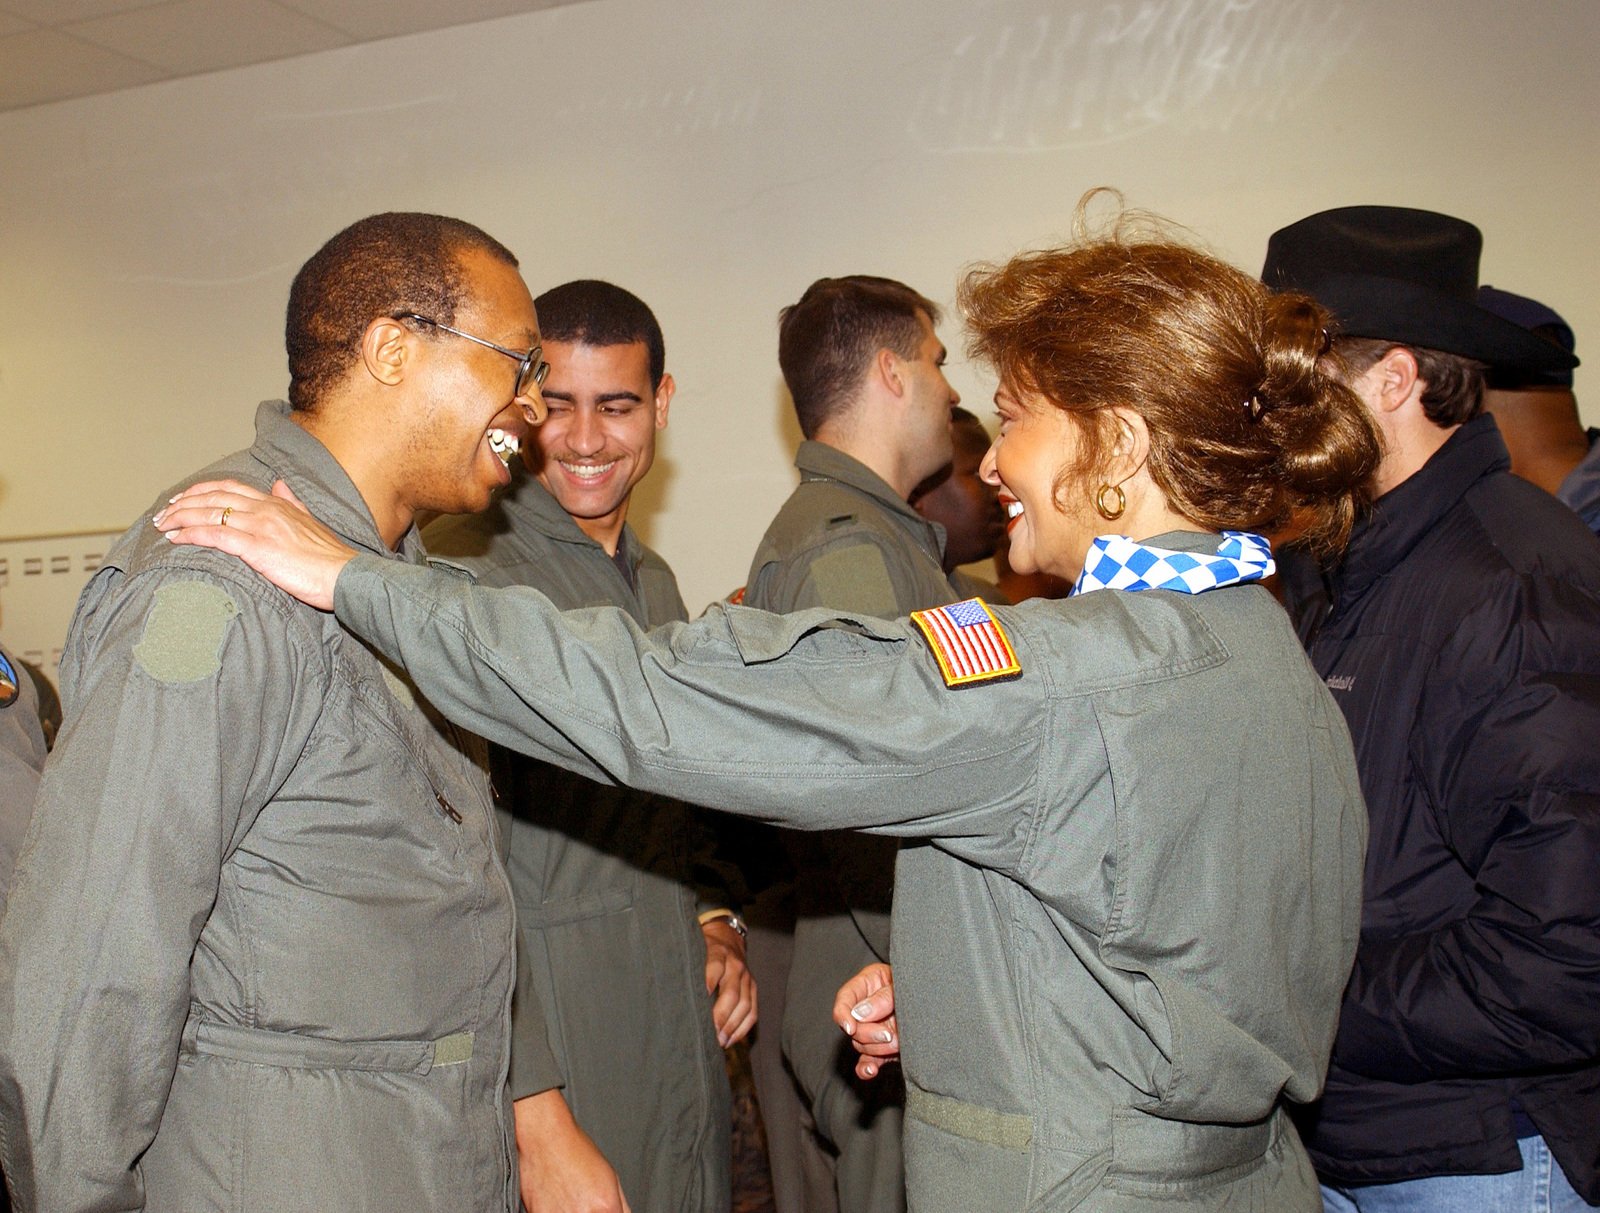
1037, 441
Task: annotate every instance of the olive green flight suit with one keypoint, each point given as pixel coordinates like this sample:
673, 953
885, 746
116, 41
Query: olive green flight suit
258, 948
609, 885
1124, 939
847, 541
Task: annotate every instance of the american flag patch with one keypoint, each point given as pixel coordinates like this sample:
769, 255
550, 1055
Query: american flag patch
968, 642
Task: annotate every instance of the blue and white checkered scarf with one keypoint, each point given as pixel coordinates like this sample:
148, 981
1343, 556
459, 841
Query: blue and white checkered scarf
1116, 562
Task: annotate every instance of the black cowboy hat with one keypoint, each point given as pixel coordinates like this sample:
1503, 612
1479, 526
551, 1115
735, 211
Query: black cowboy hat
1405, 276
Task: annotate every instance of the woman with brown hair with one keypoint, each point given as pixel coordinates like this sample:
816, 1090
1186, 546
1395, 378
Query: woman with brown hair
1129, 891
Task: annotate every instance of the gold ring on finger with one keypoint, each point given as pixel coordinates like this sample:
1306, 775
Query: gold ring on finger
226, 510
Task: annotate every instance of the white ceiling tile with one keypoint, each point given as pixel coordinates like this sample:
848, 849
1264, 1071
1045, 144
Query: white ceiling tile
366, 19
48, 66
189, 36
61, 12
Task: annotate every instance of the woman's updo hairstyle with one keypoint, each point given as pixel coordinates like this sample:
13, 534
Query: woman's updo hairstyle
1249, 430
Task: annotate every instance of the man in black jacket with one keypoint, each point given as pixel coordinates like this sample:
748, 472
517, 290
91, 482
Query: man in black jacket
1461, 636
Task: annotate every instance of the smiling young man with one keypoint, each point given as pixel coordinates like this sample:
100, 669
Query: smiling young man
625, 922
258, 953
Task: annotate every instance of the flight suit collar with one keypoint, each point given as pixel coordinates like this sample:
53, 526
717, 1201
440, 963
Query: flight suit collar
528, 503
819, 461
299, 459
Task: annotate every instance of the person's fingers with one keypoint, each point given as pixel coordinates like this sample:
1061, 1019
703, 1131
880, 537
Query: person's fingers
872, 979
885, 1044
744, 1015
716, 963
868, 1067
204, 507
859, 1020
623, 1199
730, 1001
223, 538
225, 486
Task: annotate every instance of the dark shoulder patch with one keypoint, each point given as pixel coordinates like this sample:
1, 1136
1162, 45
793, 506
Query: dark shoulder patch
8, 682
841, 520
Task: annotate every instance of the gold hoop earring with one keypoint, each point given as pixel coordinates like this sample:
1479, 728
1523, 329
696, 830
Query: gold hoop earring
1100, 502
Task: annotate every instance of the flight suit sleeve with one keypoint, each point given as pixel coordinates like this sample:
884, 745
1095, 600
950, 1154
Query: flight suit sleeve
816, 720
191, 700
534, 1067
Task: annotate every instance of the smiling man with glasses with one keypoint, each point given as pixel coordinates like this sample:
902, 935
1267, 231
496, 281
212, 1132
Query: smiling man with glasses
260, 950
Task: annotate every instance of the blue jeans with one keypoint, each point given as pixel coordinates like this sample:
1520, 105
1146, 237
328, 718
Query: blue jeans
1540, 1187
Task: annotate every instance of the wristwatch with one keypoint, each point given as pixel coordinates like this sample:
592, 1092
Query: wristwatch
728, 916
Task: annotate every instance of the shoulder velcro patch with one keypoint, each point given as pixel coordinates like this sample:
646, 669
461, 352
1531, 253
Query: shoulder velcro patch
183, 633
854, 578
968, 642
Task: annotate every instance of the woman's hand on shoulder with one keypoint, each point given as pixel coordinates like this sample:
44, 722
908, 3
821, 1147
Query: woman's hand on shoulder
271, 532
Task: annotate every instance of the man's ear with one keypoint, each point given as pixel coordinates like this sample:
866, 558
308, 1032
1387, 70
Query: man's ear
386, 350
889, 368
1395, 378
665, 391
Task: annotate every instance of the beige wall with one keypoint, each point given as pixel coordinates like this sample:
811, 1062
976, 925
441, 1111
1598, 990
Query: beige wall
715, 157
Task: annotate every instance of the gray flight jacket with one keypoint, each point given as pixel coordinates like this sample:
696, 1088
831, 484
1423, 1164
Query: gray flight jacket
609, 884
259, 947
1142, 884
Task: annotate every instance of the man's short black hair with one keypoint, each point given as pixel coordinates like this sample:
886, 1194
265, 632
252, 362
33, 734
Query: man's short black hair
590, 312
383, 265
828, 338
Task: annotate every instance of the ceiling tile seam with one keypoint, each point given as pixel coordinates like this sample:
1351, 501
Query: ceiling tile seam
66, 32
353, 35
315, 20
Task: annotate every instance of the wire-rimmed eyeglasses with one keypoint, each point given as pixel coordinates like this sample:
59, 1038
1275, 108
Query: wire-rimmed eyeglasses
531, 366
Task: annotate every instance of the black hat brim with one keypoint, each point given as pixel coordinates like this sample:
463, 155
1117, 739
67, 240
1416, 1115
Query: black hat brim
1409, 313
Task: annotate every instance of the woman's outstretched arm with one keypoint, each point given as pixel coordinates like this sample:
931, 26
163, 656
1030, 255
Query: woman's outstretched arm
814, 720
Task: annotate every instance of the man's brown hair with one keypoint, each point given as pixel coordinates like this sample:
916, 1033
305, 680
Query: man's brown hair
1452, 386
383, 265
827, 340
1249, 428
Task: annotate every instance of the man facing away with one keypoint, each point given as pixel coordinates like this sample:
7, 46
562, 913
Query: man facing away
863, 365
1460, 633
1538, 414
258, 951
625, 922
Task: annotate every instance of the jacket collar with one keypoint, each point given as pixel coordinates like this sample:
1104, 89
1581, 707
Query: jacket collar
819, 461
309, 468
1403, 516
528, 503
